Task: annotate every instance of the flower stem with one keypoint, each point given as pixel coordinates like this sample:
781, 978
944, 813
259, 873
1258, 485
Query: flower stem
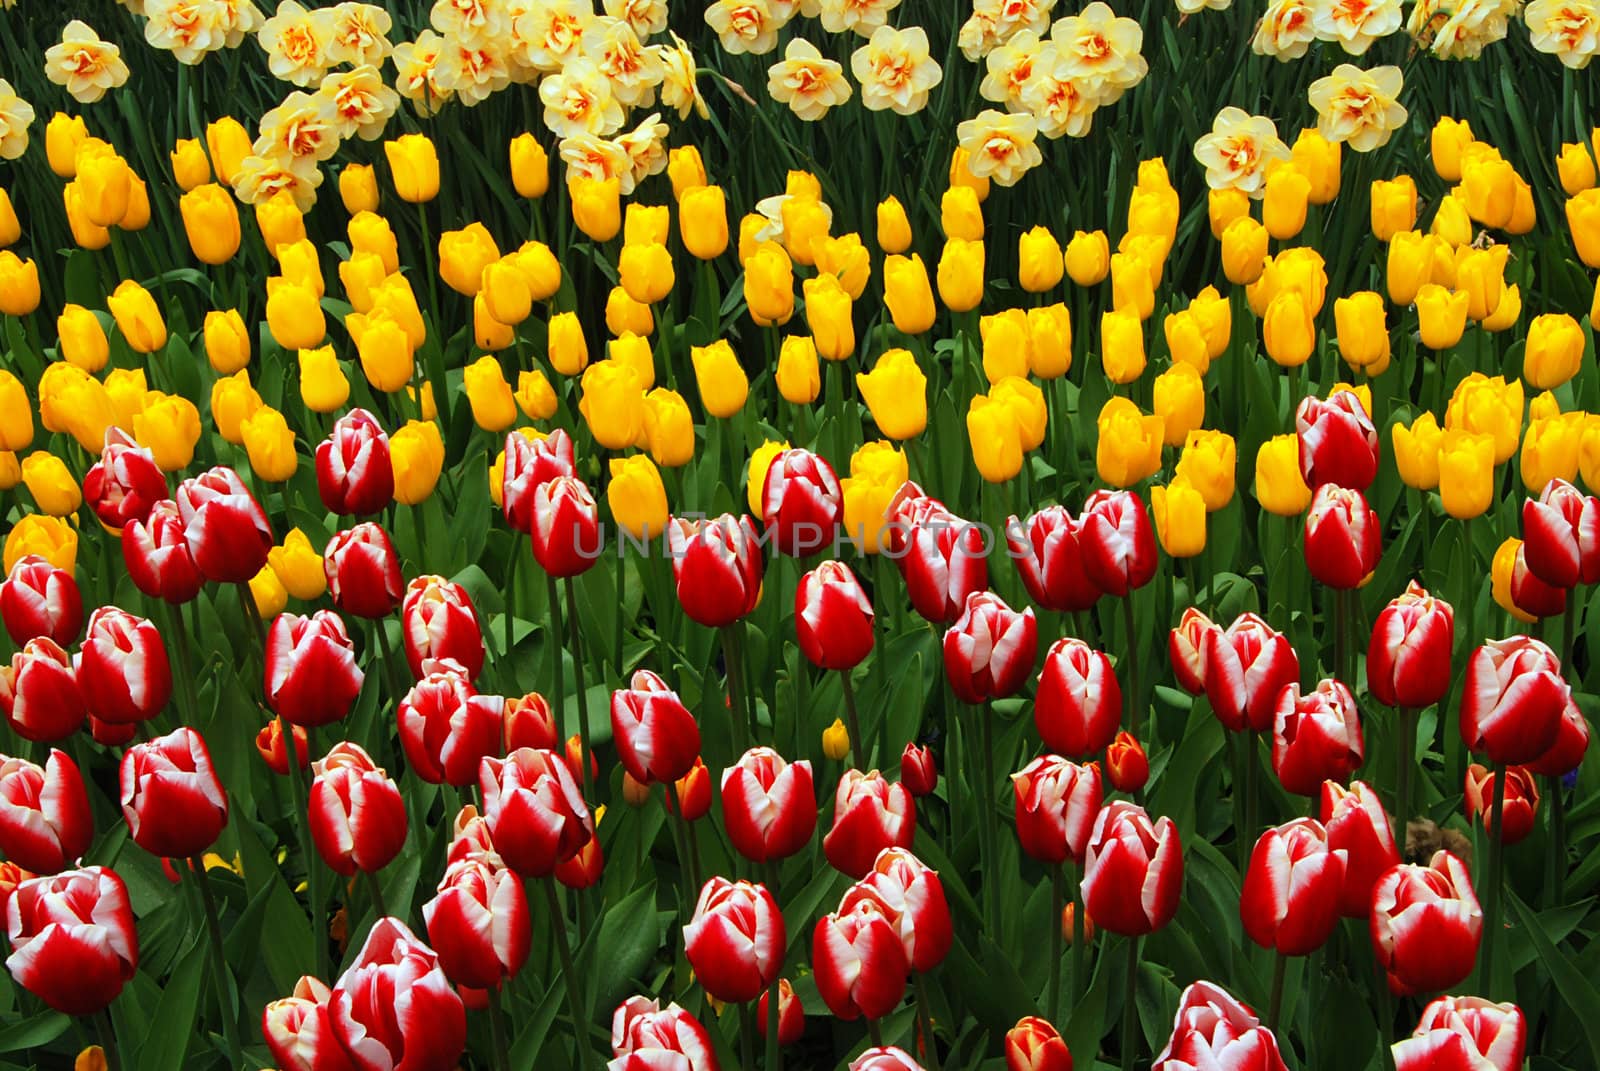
930, 1046
991, 864
558, 923
774, 1001
582, 696
1275, 1002
497, 1031
1053, 1000
1406, 758
1131, 683
298, 800
857, 741
1080, 953
1491, 914
1130, 1006
230, 1025
510, 615
690, 845
375, 890
733, 664
559, 706
875, 1032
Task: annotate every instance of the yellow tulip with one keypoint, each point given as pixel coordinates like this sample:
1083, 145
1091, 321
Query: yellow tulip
1410, 265
1501, 569
836, 741
82, 340
634, 352
1550, 450
1215, 315
568, 350
1480, 274
880, 461
799, 379
961, 274
105, 187
1545, 406
281, 223
230, 144
1180, 402
769, 285
298, 263
1362, 329
1129, 447
1279, 487
1186, 340
128, 391
755, 479
63, 135
720, 378
51, 538
530, 166
1507, 311
894, 229
1490, 407
387, 356
624, 315
995, 439
137, 317
1288, 330
294, 316
1180, 517
668, 428
686, 170
535, 397
16, 414
1244, 250
1040, 262
1088, 257
1554, 350
190, 168
1489, 190
416, 451
540, 268
829, 314
211, 222
270, 445
1131, 286
19, 285
1207, 464
371, 233
596, 207
703, 221
54, 490
1005, 343
907, 293
1575, 168
1283, 209
1449, 137
1589, 453
493, 407
170, 426
1466, 473
268, 593
1223, 207
1122, 353
959, 214
487, 332
866, 503
1028, 409
10, 225
1583, 222
323, 386
846, 258
73, 401
611, 401
1318, 160
961, 174
646, 272
1049, 341
414, 167
1416, 451
805, 223
298, 566
1451, 223
1394, 206
358, 188
753, 227
896, 393
1441, 315
463, 254
637, 497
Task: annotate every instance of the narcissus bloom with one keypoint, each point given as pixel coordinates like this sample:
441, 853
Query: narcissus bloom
1236, 152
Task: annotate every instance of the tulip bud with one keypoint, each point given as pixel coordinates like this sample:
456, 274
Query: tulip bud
414, 167
19, 285
894, 229
1180, 517
1223, 207
1244, 250
82, 340
769, 285
596, 207
270, 445
1553, 352
1088, 257
294, 315
798, 377
669, 428
530, 166
1129, 445
1180, 401
907, 294
836, 741
282, 223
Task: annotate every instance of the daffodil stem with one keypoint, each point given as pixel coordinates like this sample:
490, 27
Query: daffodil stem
857, 741
219, 970
582, 695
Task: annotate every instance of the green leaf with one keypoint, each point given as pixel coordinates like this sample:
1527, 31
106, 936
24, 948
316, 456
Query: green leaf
629, 936
1575, 985
173, 1024
33, 1032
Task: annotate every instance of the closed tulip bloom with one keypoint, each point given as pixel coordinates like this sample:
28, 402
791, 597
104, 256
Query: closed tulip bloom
801, 504
720, 378
896, 392
940, 554
1122, 351
493, 406
1513, 700
1079, 703
1337, 441
413, 167
736, 939
1342, 537
1358, 826
1088, 257
540, 268
356, 815
596, 207
1244, 250
1186, 648
1040, 262
1133, 873
798, 377
703, 221
833, 617
211, 222
268, 593
646, 272
1466, 473
1247, 665
1489, 407
1394, 207
1212, 1029
39, 693
870, 814
158, 557
1119, 551
1408, 662
299, 566
1464, 1032
138, 317
122, 668
532, 460
45, 821
294, 316
1127, 765
505, 295
363, 571
358, 188
323, 386
224, 526
1561, 532
859, 961
354, 471
370, 233
1442, 316
657, 738
918, 770
1519, 809
535, 812
438, 621
1129, 444
479, 924
566, 527
1416, 452
1056, 806
1362, 332
1316, 737
1034, 1045
171, 798
644, 1035
530, 166
1180, 401
394, 1005
568, 351
1583, 223
463, 255
1132, 285
73, 940
10, 226
769, 285
1047, 551
1554, 351
82, 341
960, 275
446, 727
829, 315
716, 567
1180, 516
768, 805
16, 414
1291, 888
50, 483
1288, 330
1426, 925
40, 599
170, 426
627, 316
311, 676
990, 649
270, 445
907, 293
1223, 207
995, 438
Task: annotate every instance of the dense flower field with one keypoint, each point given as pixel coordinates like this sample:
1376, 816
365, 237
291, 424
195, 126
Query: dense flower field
828, 533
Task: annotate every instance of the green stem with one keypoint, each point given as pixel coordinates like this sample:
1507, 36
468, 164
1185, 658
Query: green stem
930, 1047
1491, 914
991, 864
1131, 682
1080, 952
507, 674
432, 270
582, 696
248, 601
375, 890
298, 800
875, 1032
185, 670
1406, 759
558, 923
857, 741
747, 1043
1557, 876
557, 657
106, 1033
622, 603
1053, 1000
1275, 1003
691, 847
497, 1031
219, 975
774, 1002
733, 663
1130, 1006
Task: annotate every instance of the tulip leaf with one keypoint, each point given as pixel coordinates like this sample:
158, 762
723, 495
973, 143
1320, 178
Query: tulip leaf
1575, 985
288, 954
33, 1032
172, 1025
629, 936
